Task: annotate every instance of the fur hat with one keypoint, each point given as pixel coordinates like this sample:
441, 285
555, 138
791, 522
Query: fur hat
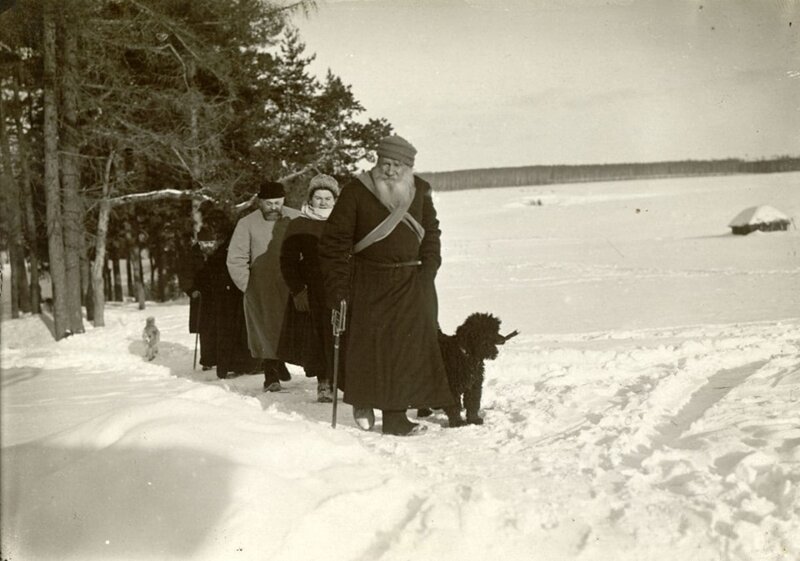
397, 148
323, 181
271, 190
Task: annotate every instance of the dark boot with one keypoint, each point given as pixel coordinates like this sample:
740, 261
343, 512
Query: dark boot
396, 423
271, 380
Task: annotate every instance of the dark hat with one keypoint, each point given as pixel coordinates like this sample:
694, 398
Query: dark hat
397, 148
206, 234
271, 190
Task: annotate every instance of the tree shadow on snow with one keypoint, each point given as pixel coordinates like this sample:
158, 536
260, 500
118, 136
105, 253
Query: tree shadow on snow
14, 376
114, 503
48, 320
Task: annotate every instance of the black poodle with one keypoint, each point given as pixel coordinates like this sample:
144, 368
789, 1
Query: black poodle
464, 354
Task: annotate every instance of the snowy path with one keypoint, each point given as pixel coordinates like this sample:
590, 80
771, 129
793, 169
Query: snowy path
663, 441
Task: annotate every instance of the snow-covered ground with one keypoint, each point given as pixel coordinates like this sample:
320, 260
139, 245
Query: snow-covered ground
649, 410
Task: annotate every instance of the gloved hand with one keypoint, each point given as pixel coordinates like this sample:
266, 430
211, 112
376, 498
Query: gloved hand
195, 294
301, 300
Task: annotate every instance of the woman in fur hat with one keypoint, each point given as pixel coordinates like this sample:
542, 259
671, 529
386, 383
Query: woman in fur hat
306, 337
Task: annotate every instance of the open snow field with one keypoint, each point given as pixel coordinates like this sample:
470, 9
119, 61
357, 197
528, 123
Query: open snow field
649, 410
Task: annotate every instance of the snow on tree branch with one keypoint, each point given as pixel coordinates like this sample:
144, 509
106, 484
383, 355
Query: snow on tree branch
160, 195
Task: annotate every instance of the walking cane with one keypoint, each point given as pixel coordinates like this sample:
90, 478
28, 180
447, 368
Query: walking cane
194, 363
338, 320
197, 335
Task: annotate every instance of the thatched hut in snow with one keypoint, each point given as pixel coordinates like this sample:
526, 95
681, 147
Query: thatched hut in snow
764, 218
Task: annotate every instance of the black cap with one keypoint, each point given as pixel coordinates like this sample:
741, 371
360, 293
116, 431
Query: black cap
271, 190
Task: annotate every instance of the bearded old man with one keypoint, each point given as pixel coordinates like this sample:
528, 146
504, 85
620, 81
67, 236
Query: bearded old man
380, 251
253, 262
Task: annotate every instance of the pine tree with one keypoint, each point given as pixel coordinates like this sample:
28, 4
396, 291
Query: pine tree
155, 107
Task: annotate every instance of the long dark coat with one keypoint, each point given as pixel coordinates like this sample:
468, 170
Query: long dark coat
306, 337
223, 301
189, 265
201, 315
392, 354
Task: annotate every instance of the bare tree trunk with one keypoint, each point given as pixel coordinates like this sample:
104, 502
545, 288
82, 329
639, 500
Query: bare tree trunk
19, 276
13, 283
26, 188
152, 263
87, 294
158, 265
135, 265
138, 280
70, 175
118, 296
107, 286
55, 238
129, 269
11, 213
99, 265
141, 290
196, 168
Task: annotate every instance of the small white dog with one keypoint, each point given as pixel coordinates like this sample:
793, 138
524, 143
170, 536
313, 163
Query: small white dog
151, 337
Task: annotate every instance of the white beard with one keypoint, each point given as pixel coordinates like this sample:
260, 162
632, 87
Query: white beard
397, 191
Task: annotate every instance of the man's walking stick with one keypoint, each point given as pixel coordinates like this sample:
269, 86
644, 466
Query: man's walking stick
197, 334
339, 321
194, 363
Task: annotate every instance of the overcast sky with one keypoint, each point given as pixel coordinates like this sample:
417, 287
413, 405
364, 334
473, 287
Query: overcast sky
488, 83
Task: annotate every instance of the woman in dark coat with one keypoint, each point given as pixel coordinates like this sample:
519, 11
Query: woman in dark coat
306, 338
201, 315
223, 300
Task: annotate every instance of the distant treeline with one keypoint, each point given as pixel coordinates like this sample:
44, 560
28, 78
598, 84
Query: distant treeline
545, 175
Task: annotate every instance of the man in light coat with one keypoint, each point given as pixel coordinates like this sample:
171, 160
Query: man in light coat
254, 265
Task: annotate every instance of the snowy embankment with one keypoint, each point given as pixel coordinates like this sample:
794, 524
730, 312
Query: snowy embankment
649, 410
